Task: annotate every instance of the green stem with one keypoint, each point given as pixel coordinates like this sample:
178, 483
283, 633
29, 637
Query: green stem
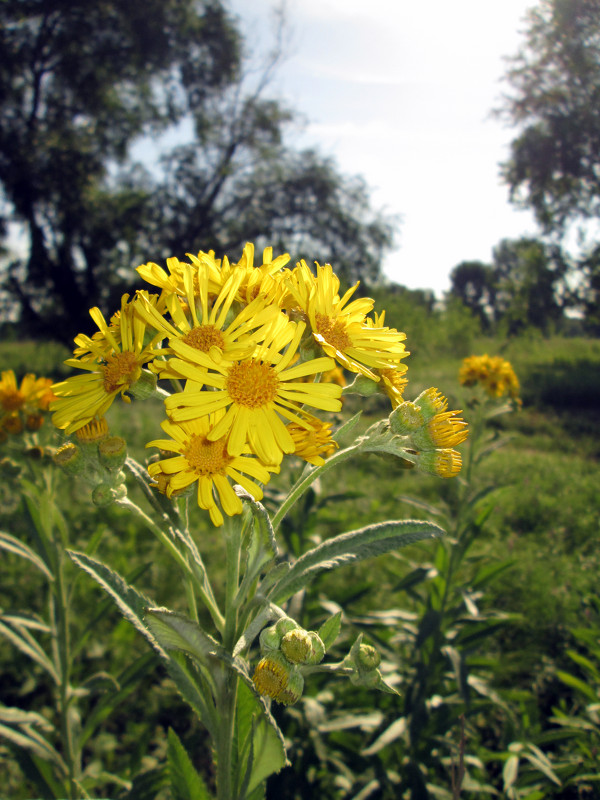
306, 480
193, 575
226, 700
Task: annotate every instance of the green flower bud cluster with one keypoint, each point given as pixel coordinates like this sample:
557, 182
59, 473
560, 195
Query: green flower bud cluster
286, 648
99, 463
432, 432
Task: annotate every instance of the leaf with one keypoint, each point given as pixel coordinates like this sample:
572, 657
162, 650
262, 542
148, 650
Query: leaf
266, 614
186, 783
24, 641
510, 771
264, 748
131, 603
175, 631
330, 630
373, 540
578, 684
13, 545
347, 427
262, 545
395, 731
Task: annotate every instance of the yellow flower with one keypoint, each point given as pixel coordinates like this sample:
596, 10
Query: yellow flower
25, 400
263, 279
315, 443
342, 329
199, 324
494, 373
83, 397
393, 382
206, 461
256, 392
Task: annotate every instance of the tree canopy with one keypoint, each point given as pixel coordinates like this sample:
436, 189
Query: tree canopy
80, 85
554, 164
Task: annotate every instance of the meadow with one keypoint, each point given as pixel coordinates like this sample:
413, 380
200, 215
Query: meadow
490, 637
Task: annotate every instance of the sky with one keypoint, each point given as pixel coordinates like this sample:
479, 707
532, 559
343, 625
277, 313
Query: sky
400, 92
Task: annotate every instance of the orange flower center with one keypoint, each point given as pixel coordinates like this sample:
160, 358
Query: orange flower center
207, 458
120, 369
333, 331
204, 337
11, 399
252, 383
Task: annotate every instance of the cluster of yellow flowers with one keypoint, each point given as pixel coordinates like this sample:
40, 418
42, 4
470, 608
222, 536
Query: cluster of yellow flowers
22, 406
248, 346
494, 373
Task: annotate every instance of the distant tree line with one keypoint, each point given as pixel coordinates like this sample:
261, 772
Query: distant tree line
80, 84
553, 169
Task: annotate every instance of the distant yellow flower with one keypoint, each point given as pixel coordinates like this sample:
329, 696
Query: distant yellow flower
256, 392
207, 462
315, 443
20, 404
342, 329
81, 398
494, 373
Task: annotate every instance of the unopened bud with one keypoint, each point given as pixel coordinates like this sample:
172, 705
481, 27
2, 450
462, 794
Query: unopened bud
112, 452
406, 419
367, 658
105, 495
269, 639
272, 674
69, 458
292, 692
296, 646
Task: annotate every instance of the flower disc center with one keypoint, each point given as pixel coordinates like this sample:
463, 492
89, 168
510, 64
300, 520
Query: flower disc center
204, 337
333, 331
11, 399
207, 458
252, 383
120, 369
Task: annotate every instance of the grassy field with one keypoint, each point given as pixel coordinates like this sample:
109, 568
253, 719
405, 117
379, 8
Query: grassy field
543, 518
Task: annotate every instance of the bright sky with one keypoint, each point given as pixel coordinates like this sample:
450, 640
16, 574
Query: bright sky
400, 92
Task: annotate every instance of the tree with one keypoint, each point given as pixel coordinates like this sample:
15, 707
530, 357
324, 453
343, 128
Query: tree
529, 283
473, 283
554, 165
80, 84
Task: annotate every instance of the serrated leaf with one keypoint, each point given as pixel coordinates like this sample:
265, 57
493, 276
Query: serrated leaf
131, 603
13, 545
373, 540
186, 783
330, 630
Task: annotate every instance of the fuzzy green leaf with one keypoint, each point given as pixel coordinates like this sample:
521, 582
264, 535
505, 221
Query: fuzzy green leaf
175, 631
373, 540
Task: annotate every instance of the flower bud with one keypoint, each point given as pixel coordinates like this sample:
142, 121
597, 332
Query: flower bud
93, 432
367, 658
296, 646
269, 639
272, 674
363, 386
317, 653
292, 692
112, 452
445, 463
105, 495
69, 458
406, 419
431, 402
285, 624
